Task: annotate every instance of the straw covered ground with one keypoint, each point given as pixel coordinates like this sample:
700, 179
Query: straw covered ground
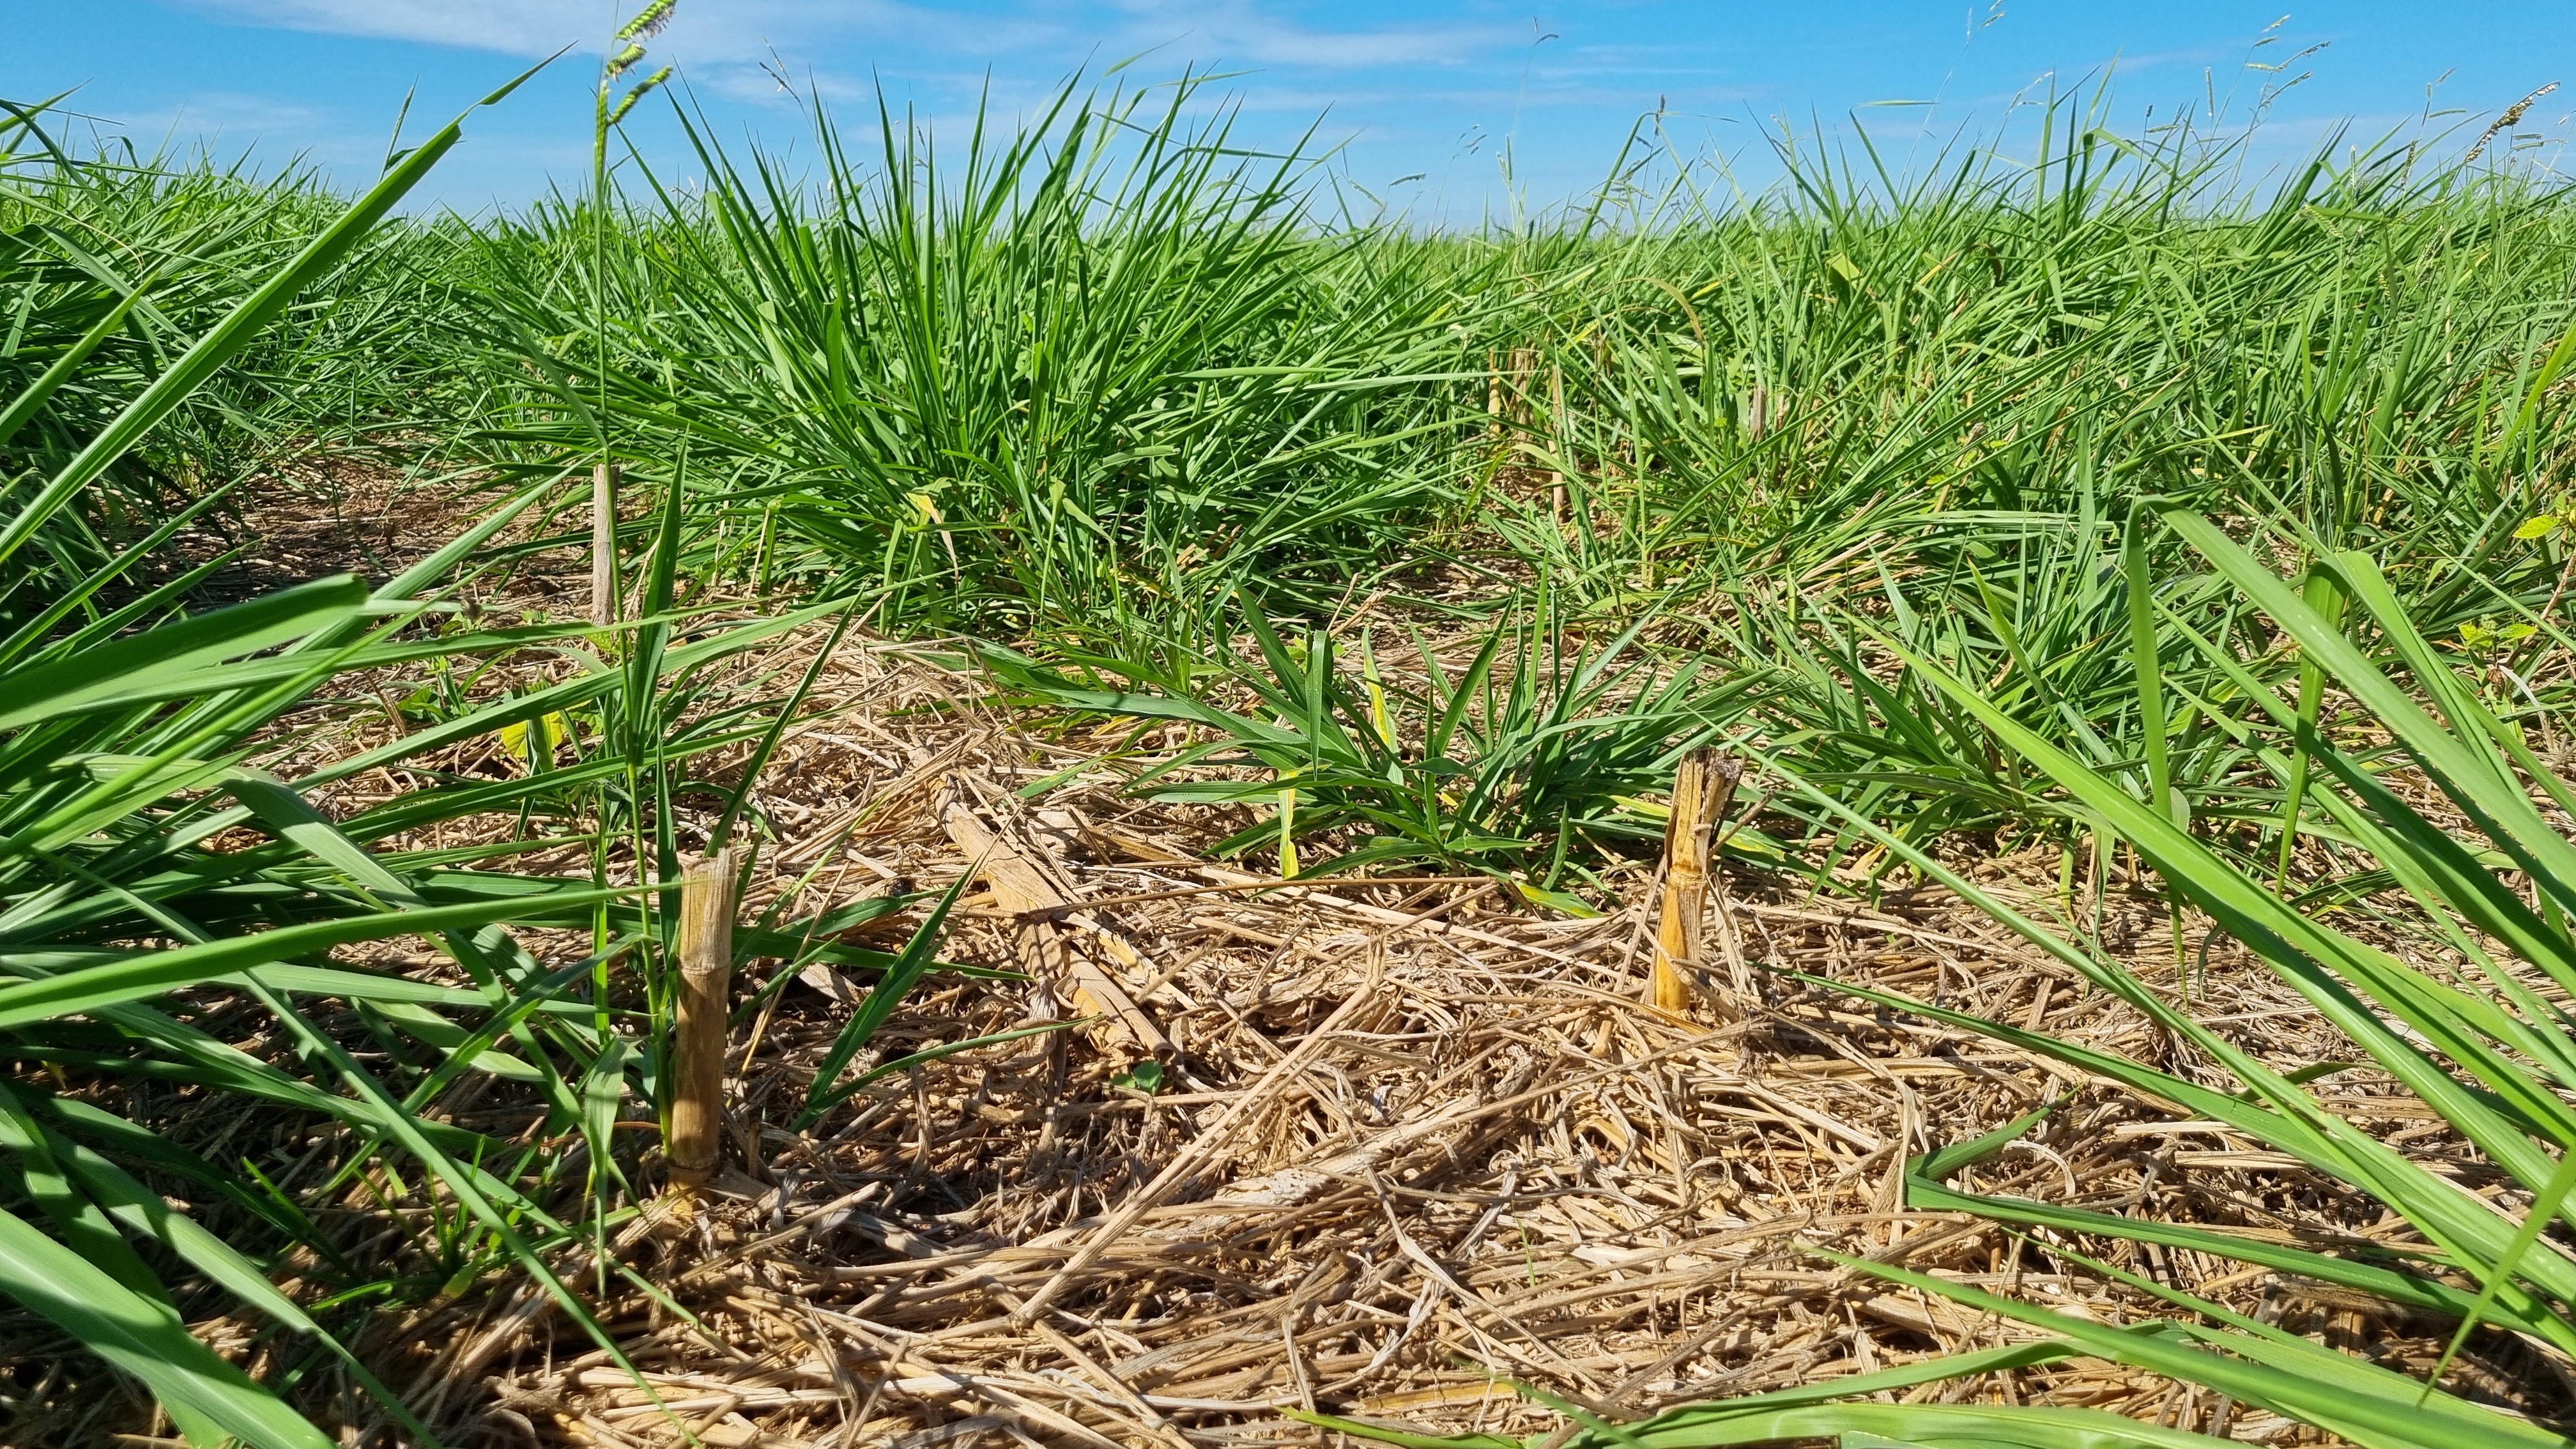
1371, 1148
1410, 1141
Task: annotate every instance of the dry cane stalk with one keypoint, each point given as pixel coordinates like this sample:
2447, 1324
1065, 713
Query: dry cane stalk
1702, 789
695, 1136
603, 544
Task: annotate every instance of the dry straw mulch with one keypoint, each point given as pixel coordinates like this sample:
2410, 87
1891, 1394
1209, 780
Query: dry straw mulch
1411, 1141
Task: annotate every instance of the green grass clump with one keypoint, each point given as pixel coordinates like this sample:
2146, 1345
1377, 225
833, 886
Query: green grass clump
1100, 377
1095, 368
1521, 764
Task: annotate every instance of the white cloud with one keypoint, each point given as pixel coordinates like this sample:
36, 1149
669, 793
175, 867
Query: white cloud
711, 30
223, 122
1397, 75
746, 32
222, 112
1242, 31
524, 27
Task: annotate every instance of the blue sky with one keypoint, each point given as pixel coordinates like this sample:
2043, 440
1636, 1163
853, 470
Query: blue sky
1439, 90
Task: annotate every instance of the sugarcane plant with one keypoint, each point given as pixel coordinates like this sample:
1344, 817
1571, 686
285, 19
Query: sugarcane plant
2468, 1020
157, 883
1524, 763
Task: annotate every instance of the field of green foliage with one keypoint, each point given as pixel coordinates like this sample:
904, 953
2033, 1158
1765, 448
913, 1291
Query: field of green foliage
2100, 503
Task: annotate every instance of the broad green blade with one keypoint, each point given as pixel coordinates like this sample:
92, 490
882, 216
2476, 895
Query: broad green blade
111, 1321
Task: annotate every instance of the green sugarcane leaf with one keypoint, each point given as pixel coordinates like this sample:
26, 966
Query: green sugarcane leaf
144, 1340
174, 661
918, 955
90, 989
2376, 1409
